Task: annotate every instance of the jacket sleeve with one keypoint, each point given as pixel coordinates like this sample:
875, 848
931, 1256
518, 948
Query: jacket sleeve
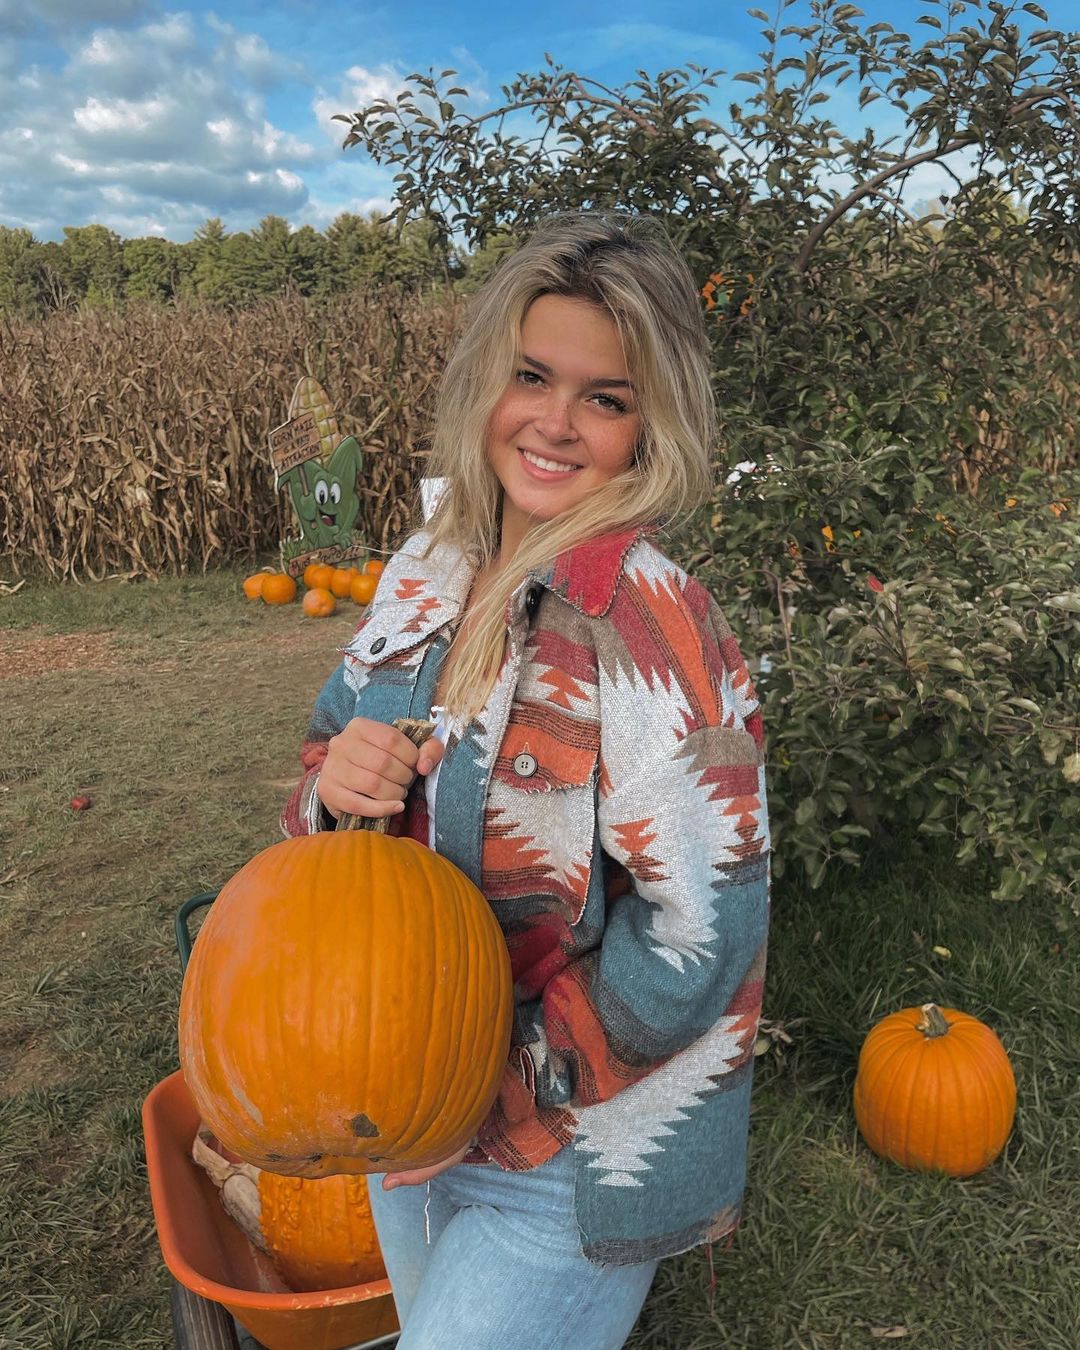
681, 806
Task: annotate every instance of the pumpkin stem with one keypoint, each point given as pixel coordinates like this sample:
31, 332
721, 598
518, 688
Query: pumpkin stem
932, 1023
418, 730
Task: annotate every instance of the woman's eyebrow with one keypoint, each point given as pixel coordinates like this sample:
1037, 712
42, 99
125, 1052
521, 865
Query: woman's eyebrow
589, 384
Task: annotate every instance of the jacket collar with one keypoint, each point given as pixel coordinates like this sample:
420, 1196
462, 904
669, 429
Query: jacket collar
419, 595
586, 576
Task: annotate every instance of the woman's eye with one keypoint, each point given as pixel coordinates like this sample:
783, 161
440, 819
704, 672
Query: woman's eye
527, 376
610, 402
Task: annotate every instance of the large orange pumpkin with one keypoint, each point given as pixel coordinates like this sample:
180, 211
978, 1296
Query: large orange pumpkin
935, 1091
346, 1008
318, 1234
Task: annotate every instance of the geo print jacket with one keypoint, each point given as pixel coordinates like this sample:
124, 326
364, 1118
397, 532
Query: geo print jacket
610, 804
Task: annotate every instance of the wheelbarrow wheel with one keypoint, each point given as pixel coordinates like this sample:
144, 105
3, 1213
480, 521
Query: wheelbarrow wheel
199, 1324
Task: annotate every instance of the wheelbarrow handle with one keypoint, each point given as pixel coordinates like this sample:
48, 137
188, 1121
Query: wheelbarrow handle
183, 914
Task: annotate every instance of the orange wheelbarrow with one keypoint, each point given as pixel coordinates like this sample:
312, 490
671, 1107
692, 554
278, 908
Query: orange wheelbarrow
226, 1294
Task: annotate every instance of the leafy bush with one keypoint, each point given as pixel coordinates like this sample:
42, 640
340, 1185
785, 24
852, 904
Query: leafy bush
904, 377
922, 649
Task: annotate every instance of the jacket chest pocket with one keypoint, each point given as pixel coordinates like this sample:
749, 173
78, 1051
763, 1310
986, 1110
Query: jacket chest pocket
540, 816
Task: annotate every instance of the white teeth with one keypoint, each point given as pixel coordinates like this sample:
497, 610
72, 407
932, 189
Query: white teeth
549, 464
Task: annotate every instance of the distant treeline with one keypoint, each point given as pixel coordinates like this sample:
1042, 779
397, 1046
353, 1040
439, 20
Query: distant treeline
94, 266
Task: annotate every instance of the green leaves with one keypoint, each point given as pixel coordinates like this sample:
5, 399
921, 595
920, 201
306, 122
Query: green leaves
949, 702
896, 375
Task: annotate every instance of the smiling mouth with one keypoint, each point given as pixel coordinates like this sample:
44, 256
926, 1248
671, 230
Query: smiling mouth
328, 520
547, 465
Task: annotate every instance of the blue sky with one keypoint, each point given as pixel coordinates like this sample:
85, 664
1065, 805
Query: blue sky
149, 116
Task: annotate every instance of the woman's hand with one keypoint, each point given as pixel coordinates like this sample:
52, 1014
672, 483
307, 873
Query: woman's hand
422, 1174
370, 766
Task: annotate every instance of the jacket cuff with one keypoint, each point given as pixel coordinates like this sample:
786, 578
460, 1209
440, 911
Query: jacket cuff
315, 816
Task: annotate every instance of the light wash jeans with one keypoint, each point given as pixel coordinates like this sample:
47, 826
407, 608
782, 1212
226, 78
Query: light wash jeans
495, 1263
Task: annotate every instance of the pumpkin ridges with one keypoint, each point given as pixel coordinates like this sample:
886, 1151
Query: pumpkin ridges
422, 1127
944, 1143
945, 1103
470, 941
908, 1072
497, 970
455, 1089
267, 1053
868, 1091
320, 1234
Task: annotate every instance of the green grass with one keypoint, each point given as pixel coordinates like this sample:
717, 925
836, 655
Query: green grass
184, 727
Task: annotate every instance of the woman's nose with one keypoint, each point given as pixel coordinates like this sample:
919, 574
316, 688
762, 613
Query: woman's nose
556, 421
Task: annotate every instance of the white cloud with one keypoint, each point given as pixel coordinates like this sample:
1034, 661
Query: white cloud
148, 120
250, 56
154, 127
104, 115
357, 88
79, 166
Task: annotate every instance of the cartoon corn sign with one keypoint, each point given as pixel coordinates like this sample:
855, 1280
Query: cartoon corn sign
320, 471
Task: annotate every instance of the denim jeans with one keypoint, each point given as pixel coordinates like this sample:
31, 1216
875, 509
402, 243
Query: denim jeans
491, 1260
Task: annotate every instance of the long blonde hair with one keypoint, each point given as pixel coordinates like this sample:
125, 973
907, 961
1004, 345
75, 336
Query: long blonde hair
627, 266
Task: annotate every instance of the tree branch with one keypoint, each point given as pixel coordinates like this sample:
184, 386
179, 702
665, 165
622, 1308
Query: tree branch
872, 184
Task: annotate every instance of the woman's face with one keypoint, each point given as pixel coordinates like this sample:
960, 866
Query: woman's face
568, 420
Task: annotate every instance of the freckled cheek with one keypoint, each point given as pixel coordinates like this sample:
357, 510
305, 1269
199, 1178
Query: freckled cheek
505, 422
615, 453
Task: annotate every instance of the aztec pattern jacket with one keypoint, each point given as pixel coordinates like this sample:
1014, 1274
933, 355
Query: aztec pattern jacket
610, 804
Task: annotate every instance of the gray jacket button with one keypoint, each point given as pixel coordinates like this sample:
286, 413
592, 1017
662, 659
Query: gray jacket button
378, 645
524, 765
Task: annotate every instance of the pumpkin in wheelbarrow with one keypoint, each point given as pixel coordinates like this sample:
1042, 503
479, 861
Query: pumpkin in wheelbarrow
318, 1234
346, 1008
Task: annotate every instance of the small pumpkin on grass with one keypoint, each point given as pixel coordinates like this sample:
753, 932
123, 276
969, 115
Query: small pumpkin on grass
319, 603
279, 589
341, 581
363, 588
317, 576
253, 585
935, 1091
347, 1006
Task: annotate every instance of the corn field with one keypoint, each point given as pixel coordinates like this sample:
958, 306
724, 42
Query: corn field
134, 442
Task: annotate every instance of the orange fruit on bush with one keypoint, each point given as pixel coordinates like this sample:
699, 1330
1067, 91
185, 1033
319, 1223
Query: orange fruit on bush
317, 575
341, 581
363, 588
319, 602
279, 588
253, 585
375, 567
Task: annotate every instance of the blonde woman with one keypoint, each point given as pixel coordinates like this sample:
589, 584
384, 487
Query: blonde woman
596, 770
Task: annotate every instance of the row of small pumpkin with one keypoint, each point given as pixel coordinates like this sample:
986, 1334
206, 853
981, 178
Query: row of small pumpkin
324, 586
365, 1058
